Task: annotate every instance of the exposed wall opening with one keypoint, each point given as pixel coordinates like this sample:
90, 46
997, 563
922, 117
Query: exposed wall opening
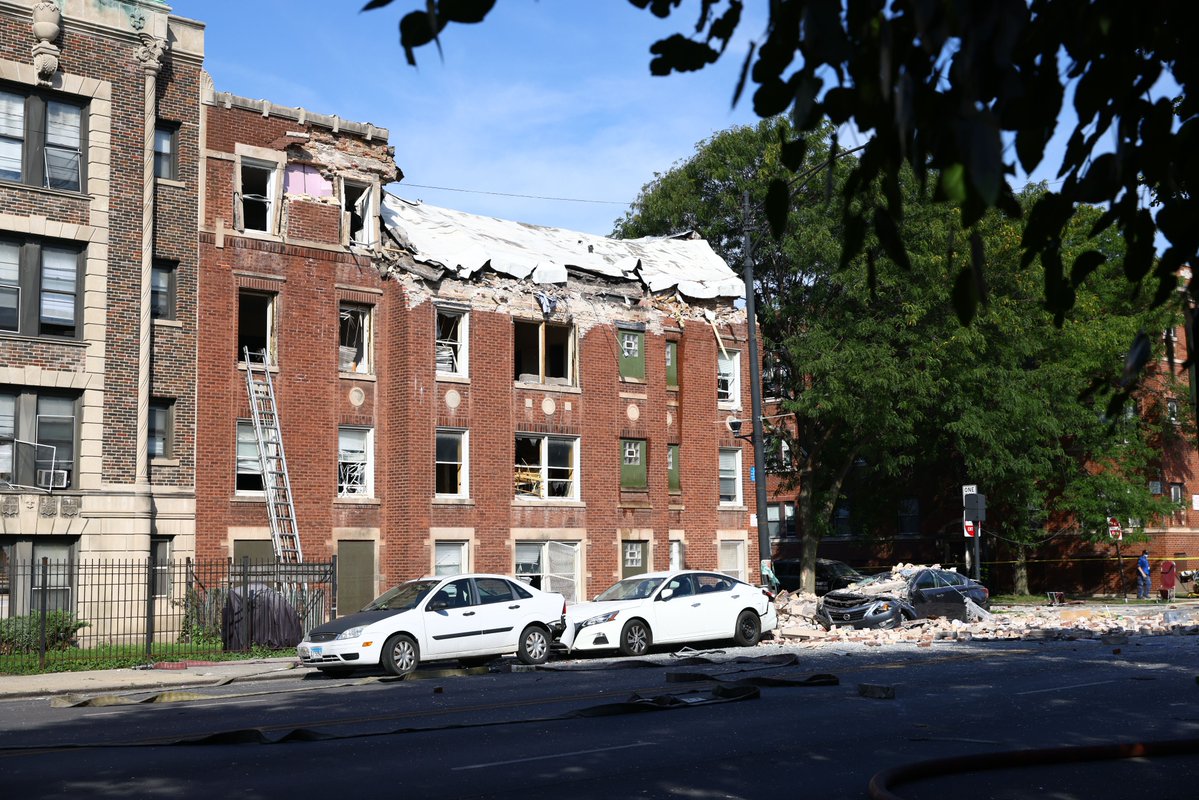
255, 324
543, 352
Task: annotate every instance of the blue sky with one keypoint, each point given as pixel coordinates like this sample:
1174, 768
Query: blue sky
550, 98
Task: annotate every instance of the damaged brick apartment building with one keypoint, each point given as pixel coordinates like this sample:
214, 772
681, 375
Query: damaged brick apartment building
453, 392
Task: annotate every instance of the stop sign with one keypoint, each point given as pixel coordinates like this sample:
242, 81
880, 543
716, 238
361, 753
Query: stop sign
1113, 529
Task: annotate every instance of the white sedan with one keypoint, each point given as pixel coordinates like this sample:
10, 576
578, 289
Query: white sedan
669, 608
462, 616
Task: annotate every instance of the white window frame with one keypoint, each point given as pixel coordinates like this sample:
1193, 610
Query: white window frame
572, 353
678, 554
737, 548
350, 485
458, 348
368, 235
365, 365
544, 576
724, 471
448, 552
538, 476
463, 462
728, 379
274, 162
244, 440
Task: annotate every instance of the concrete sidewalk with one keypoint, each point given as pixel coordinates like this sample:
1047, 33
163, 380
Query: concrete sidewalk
164, 676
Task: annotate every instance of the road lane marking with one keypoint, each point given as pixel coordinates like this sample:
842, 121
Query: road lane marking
1063, 688
556, 755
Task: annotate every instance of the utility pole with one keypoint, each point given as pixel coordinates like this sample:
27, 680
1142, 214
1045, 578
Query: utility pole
755, 393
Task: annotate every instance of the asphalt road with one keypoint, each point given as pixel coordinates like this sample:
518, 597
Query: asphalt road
573, 732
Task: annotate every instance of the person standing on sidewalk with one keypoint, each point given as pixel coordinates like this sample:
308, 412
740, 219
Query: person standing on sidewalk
1143, 580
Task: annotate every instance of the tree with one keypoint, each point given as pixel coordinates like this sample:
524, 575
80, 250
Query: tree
943, 88
884, 381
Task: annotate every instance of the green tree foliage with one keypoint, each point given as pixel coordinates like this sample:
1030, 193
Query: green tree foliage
891, 393
960, 93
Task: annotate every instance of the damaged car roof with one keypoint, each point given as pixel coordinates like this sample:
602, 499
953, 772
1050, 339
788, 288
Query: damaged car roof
466, 243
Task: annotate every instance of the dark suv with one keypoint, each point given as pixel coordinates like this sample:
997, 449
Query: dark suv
830, 575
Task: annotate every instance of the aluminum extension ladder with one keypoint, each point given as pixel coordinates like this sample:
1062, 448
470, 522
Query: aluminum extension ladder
275, 482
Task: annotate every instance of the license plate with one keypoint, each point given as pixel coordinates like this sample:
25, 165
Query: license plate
310, 652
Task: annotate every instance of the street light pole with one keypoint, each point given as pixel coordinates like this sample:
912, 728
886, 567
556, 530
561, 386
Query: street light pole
755, 393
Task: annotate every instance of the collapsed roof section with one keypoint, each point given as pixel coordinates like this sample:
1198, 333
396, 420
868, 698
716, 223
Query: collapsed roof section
466, 243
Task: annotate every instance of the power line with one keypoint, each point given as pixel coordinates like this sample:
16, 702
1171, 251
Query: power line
512, 194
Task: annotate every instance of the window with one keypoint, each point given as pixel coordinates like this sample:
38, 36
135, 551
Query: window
160, 555
451, 342
37, 439
634, 559
449, 558
732, 558
60, 577
39, 288
452, 469
673, 473
677, 550
546, 467
358, 212
780, 521
354, 474
633, 473
249, 467
257, 202
672, 365
730, 476
41, 141
842, 520
256, 325
354, 339
162, 289
1172, 411
166, 159
778, 456
162, 417
632, 354
1176, 492
495, 590
550, 566
544, 353
728, 378
909, 517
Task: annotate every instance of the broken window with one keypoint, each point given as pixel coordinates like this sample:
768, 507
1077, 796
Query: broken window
451, 342
354, 462
672, 365
728, 378
632, 354
354, 340
632, 469
257, 195
544, 353
358, 212
37, 438
256, 325
451, 463
546, 467
730, 476
249, 467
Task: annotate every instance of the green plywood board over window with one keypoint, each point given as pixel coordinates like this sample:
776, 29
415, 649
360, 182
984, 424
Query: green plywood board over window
632, 464
672, 469
632, 354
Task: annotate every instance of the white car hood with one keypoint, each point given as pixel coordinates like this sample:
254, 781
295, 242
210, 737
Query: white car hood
581, 612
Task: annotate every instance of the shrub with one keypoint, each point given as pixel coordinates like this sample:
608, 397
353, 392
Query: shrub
23, 634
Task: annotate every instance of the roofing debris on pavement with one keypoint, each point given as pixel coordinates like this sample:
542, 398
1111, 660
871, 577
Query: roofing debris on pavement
1109, 623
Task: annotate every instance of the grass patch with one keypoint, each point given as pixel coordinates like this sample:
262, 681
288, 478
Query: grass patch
122, 657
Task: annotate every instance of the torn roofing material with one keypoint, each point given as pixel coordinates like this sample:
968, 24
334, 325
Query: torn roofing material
466, 243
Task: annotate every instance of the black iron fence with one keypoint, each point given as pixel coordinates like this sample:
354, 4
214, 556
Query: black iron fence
57, 615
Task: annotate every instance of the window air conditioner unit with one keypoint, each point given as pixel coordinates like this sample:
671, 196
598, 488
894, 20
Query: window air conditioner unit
52, 478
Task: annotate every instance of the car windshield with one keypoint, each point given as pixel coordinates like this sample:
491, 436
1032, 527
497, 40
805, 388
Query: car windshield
631, 589
840, 570
402, 597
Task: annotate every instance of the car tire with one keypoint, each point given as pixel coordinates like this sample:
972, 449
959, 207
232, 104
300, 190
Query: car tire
534, 645
748, 630
337, 672
635, 638
400, 655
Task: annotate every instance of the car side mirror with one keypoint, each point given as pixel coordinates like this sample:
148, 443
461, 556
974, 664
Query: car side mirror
437, 605
666, 594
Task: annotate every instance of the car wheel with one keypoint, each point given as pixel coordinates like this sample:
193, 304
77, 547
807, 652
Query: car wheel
534, 645
749, 629
400, 655
635, 638
337, 672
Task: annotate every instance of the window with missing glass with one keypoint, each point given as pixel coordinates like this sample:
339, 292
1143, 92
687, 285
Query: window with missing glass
354, 338
451, 342
546, 467
544, 352
354, 467
42, 140
41, 288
